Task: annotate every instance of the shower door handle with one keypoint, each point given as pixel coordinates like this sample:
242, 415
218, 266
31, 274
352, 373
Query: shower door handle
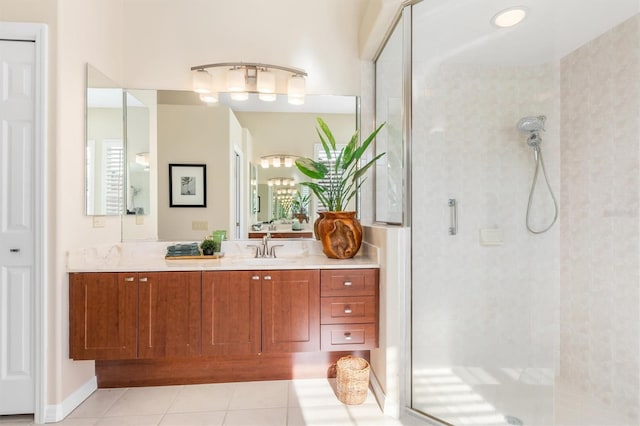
453, 216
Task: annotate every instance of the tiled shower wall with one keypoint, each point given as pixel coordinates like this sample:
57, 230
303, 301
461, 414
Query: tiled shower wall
486, 309
600, 164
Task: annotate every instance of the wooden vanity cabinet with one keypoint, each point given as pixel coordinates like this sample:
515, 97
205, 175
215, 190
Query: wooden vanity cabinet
349, 309
169, 314
291, 311
186, 314
117, 315
103, 315
231, 313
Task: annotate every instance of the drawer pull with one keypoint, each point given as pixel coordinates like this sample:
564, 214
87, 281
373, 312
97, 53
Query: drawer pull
129, 279
348, 283
256, 277
267, 277
347, 336
143, 279
347, 310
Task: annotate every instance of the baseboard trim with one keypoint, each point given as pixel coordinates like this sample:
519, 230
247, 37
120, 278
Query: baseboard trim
389, 407
57, 412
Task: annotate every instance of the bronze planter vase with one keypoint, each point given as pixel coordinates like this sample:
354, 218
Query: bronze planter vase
340, 234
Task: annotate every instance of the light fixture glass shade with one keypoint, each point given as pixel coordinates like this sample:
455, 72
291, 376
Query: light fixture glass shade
209, 98
288, 161
270, 182
201, 81
277, 182
264, 162
275, 162
266, 82
296, 89
236, 80
267, 97
239, 96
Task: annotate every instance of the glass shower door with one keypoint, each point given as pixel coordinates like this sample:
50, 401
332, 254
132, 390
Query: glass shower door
483, 288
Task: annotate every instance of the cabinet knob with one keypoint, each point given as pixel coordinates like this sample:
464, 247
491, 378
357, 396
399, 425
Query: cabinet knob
348, 283
267, 277
143, 279
347, 336
129, 279
14, 250
256, 277
347, 310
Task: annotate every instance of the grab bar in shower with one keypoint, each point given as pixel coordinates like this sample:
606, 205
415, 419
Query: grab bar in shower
453, 216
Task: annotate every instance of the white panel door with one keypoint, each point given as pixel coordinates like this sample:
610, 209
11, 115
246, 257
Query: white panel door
17, 111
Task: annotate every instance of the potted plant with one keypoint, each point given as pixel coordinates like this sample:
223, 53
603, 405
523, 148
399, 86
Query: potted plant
300, 206
339, 230
208, 246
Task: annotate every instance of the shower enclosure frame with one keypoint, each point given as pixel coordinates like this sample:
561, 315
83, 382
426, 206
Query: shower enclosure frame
403, 18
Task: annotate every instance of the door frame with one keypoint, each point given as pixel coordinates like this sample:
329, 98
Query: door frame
38, 34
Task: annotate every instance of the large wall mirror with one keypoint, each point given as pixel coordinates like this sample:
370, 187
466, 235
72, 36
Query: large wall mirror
104, 150
165, 127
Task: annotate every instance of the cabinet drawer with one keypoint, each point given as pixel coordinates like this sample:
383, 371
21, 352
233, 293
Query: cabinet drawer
349, 282
348, 310
347, 337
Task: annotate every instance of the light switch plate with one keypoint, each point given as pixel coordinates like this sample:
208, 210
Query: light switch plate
99, 221
139, 220
199, 225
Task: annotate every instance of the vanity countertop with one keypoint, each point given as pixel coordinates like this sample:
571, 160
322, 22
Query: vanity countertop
150, 256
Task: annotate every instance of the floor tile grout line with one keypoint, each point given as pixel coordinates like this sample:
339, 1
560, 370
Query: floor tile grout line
112, 402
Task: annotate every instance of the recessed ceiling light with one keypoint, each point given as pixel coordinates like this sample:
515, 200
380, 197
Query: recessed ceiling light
509, 17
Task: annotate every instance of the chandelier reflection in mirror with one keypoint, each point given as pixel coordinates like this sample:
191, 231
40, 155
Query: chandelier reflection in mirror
277, 160
242, 78
281, 181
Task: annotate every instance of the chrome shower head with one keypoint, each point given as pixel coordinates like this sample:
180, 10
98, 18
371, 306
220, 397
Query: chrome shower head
531, 124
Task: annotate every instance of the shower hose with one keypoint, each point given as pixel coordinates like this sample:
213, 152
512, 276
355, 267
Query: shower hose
537, 152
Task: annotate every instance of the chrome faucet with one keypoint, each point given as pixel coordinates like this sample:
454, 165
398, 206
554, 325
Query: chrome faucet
264, 250
265, 245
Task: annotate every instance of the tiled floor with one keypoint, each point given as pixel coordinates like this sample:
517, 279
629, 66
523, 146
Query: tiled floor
297, 402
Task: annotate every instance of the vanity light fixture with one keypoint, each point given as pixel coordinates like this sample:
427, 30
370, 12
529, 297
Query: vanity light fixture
509, 17
277, 160
243, 78
281, 181
201, 81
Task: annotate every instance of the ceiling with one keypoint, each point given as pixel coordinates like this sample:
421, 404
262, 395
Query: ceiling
461, 30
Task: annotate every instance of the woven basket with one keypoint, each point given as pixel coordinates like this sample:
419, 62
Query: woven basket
352, 380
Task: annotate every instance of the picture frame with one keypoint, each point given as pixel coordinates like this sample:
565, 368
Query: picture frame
187, 185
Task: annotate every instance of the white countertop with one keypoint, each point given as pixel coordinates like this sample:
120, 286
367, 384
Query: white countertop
150, 256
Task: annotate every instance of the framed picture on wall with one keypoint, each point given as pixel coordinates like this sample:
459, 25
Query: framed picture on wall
187, 185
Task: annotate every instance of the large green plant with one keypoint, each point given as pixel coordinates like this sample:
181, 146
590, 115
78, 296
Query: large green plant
342, 177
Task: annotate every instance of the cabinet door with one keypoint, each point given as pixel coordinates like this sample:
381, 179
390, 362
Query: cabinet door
231, 312
103, 315
169, 314
291, 311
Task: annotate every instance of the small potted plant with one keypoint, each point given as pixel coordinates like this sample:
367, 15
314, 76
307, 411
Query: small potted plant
338, 182
208, 246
